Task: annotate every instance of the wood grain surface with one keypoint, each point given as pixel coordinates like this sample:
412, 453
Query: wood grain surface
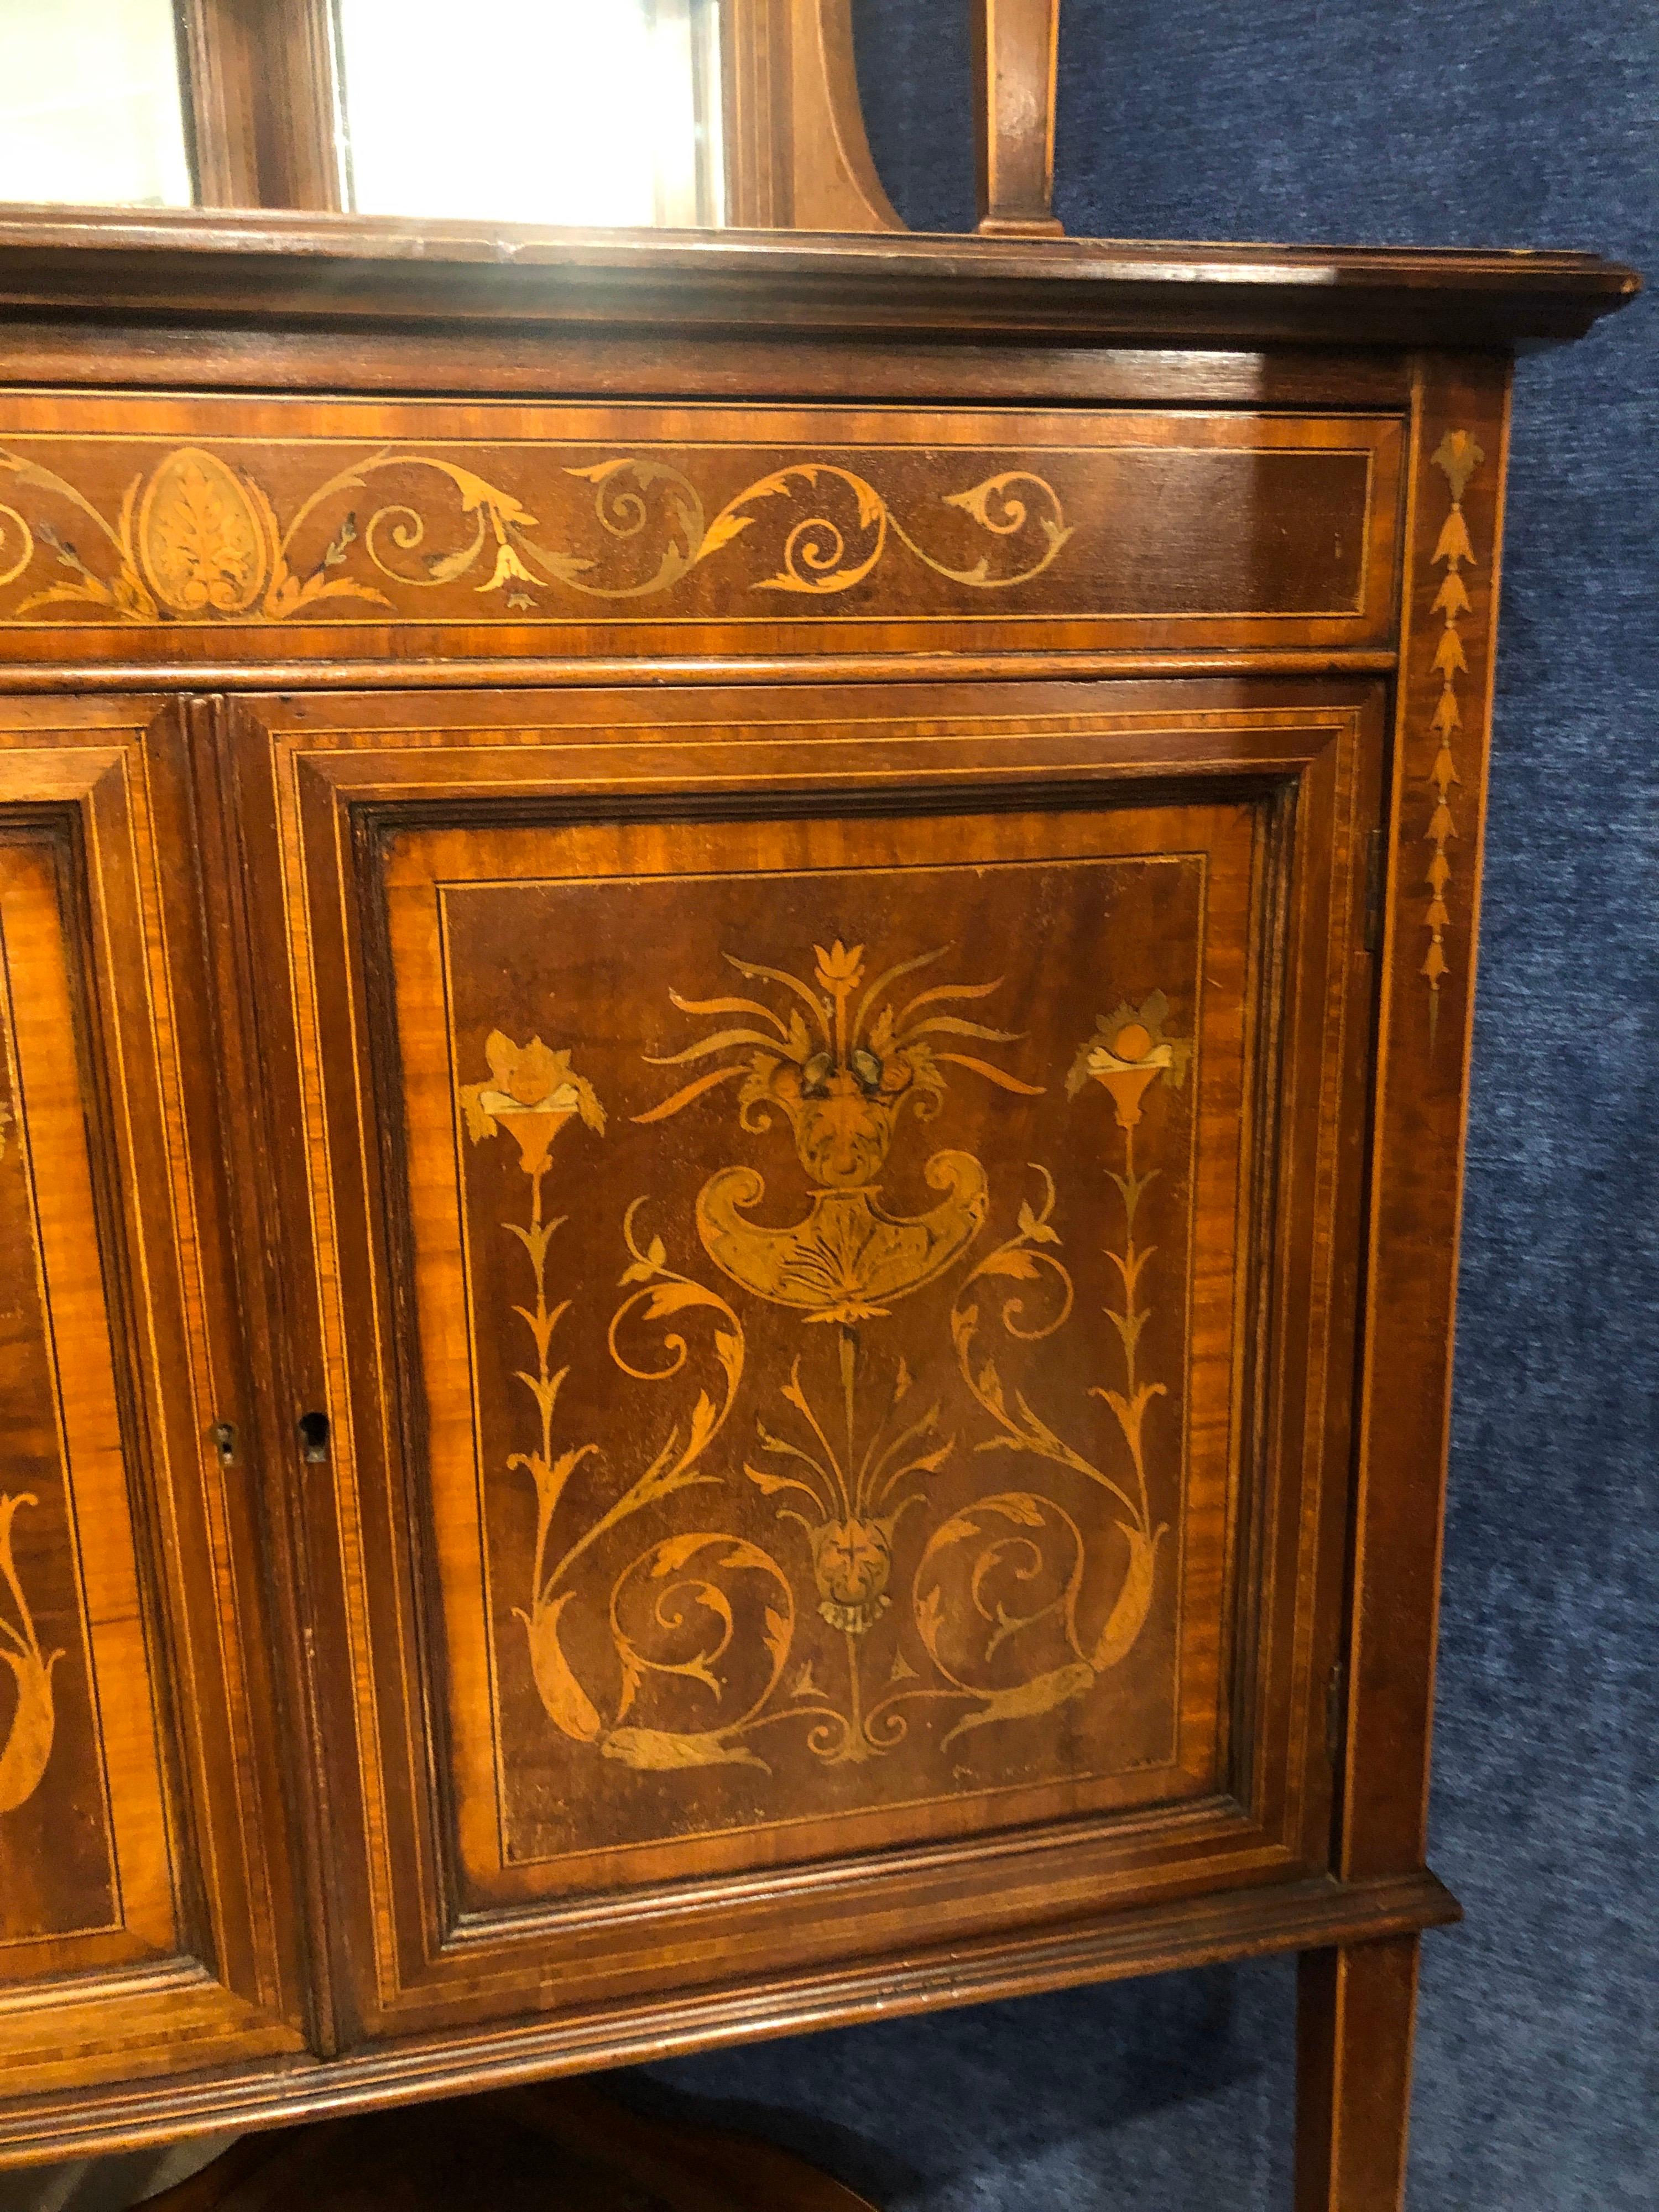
867, 810
142, 1880
388, 272
736, 981
291, 527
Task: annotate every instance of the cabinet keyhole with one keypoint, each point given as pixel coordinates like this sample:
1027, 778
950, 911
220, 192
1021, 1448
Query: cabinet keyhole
313, 1436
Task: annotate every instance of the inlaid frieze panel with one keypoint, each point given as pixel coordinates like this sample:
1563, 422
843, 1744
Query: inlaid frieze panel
262, 522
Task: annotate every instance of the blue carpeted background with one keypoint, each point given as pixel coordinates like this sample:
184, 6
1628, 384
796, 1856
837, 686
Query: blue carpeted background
1403, 122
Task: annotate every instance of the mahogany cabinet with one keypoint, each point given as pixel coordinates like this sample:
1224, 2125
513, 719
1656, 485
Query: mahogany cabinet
736, 992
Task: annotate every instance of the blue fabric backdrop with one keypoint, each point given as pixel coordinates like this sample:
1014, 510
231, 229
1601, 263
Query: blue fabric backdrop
1400, 122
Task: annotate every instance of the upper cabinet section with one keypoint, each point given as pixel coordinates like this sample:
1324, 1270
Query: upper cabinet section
280, 530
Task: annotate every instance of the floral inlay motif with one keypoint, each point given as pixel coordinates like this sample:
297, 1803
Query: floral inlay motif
846, 1447
844, 1080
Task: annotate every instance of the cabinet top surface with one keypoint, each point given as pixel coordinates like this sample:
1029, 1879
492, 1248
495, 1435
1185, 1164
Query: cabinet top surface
262, 268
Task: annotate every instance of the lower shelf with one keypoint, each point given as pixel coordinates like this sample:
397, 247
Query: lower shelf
517, 2151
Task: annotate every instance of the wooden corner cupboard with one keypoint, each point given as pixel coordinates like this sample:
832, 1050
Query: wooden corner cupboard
735, 979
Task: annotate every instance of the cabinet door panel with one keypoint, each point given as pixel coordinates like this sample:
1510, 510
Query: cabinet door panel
822, 1212
140, 1888
830, 1501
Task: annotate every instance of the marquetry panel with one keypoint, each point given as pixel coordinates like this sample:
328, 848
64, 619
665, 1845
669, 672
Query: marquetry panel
828, 1395
278, 527
139, 1901
823, 1213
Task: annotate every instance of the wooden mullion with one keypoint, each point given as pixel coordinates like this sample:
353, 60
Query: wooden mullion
218, 79
300, 116
260, 92
755, 75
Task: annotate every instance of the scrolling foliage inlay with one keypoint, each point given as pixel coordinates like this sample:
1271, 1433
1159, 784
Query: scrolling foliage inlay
198, 539
1019, 1596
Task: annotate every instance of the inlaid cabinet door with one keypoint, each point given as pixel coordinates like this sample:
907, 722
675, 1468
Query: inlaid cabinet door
820, 1234
141, 1884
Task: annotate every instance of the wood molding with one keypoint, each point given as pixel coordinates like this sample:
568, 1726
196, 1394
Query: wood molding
464, 675
300, 141
756, 85
382, 273
219, 74
1195, 1931
518, 362
835, 184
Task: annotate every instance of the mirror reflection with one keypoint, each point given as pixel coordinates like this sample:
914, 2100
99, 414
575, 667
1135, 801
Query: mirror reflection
90, 103
588, 112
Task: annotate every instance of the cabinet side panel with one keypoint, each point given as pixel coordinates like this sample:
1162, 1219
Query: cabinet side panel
1444, 700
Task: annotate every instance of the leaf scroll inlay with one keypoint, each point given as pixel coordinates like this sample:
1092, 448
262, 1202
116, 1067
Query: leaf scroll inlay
198, 536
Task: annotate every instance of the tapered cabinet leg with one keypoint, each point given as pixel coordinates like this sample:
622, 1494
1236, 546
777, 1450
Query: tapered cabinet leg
1355, 2011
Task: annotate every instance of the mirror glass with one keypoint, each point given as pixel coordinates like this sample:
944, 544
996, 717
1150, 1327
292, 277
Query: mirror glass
585, 111
90, 105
